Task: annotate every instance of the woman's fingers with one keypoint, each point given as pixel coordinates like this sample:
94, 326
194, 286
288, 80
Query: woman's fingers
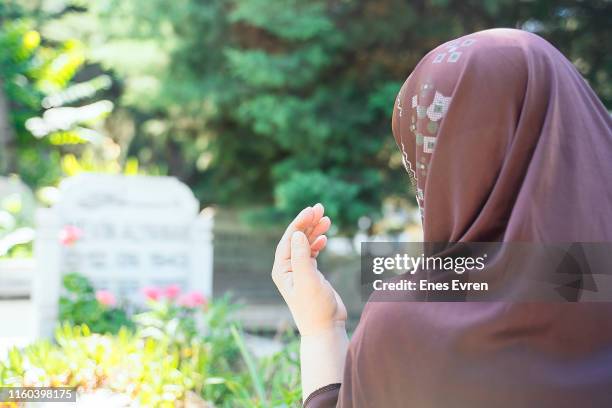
321, 228
302, 221
304, 271
313, 224
318, 245
310, 221
316, 238
318, 211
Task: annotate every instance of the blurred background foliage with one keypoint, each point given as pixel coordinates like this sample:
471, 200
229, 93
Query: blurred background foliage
262, 106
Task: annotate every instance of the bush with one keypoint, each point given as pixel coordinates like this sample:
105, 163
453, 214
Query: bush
178, 348
80, 306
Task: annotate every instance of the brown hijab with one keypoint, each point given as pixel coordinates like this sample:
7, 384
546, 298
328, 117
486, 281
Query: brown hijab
504, 141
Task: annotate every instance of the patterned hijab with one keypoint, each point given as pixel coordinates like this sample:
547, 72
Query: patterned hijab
504, 141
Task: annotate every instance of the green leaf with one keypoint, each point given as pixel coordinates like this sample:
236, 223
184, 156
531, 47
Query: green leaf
250, 363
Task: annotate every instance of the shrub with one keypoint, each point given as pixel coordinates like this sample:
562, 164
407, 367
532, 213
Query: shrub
169, 352
80, 306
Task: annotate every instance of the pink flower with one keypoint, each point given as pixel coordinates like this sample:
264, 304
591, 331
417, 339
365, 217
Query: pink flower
106, 298
152, 292
70, 234
192, 300
172, 291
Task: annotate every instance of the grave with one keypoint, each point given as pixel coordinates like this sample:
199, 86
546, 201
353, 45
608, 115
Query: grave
123, 233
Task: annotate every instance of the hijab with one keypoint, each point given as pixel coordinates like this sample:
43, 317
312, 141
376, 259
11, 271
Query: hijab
503, 141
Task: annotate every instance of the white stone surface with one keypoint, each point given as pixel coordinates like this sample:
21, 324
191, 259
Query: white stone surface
136, 231
16, 277
16, 324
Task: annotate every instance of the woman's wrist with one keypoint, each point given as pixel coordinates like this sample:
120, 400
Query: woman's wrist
322, 329
322, 355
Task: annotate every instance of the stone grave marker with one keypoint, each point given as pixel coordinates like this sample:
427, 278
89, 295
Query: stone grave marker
123, 233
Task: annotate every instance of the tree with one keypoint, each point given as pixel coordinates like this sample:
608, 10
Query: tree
44, 113
282, 104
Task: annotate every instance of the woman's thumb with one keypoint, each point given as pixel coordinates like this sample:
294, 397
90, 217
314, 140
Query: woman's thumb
300, 254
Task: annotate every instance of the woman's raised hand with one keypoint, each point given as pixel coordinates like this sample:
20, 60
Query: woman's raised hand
314, 304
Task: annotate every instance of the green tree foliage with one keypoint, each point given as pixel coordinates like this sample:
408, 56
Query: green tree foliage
288, 103
19, 97
280, 104
43, 113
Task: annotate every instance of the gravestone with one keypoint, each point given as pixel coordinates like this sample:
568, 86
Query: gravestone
125, 232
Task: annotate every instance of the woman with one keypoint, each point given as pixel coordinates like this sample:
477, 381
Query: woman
505, 142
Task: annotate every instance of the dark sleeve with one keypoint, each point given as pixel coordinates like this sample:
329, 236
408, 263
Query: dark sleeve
325, 397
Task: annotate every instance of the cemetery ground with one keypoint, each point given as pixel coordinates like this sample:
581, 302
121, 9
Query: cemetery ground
178, 350
114, 297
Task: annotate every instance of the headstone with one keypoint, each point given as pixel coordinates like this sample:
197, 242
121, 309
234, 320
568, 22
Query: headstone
123, 233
